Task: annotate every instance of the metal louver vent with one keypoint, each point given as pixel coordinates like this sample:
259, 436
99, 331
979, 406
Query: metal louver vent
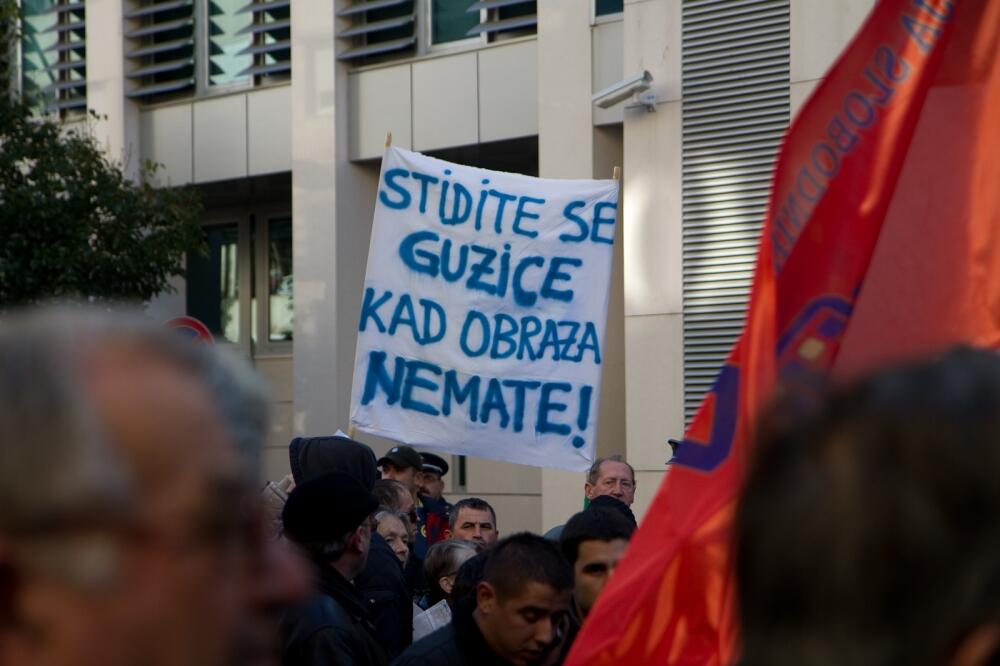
54, 43
377, 27
505, 16
735, 108
271, 46
161, 47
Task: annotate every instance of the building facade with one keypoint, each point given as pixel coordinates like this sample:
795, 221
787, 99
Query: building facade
278, 111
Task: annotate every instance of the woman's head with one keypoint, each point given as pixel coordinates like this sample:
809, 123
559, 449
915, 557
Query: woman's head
442, 563
393, 526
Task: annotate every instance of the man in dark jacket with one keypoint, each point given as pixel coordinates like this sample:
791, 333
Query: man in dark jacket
520, 614
381, 583
329, 517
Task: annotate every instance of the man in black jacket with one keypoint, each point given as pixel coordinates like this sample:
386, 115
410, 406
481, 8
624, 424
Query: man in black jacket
520, 613
381, 584
330, 518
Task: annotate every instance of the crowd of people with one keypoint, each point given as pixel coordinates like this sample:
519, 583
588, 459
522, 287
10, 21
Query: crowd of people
388, 550
134, 530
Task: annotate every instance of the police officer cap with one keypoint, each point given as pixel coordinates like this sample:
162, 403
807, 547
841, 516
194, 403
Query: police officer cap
434, 463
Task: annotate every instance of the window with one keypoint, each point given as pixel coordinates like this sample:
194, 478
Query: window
183, 47
213, 283
249, 254
605, 7
271, 30
280, 308
162, 47
53, 55
386, 29
228, 41
451, 20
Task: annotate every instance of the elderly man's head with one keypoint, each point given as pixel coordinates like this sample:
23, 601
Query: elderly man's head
130, 531
611, 476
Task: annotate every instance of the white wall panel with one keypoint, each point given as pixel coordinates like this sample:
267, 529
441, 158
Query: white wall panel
380, 101
269, 135
508, 91
166, 138
445, 102
608, 66
820, 31
220, 138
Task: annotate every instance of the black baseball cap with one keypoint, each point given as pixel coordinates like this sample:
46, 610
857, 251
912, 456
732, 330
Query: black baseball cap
402, 457
434, 463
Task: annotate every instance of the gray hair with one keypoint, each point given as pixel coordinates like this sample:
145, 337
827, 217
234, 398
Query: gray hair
58, 470
595, 470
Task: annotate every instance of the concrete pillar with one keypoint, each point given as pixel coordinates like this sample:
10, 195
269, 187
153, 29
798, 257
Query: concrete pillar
332, 206
117, 126
569, 147
654, 363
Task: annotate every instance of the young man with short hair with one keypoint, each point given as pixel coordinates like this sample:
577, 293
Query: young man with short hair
520, 614
473, 519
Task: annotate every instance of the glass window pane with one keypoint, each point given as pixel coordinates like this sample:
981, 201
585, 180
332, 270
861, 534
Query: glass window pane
36, 61
602, 7
225, 45
451, 20
213, 287
280, 306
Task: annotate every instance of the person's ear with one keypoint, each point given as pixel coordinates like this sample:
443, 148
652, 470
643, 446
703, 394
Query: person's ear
359, 539
486, 597
979, 648
447, 533
588, 490
447, 584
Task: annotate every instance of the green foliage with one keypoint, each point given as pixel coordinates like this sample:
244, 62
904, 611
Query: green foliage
73, 227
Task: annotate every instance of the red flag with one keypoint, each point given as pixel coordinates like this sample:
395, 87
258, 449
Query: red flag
882, 240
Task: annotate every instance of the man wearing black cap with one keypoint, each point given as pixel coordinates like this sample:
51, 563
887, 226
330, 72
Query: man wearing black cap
381, 583
333, 626
430, 479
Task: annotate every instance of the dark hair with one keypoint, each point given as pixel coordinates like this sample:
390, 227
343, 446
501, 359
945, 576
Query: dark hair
463, 593
595, 470
524, 558
388, 492
469, 503
594, 524
867, 532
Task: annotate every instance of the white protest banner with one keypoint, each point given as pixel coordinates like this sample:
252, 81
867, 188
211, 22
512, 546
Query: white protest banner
483, 315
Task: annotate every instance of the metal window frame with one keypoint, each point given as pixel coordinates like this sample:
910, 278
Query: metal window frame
262, 219
426, 10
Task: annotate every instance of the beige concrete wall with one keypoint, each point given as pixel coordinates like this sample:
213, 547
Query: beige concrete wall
652, 249
570, 147
819, 32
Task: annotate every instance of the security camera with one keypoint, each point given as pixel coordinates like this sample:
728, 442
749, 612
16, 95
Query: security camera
621, 91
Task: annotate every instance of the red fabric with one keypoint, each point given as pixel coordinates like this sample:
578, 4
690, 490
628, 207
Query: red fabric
882, 241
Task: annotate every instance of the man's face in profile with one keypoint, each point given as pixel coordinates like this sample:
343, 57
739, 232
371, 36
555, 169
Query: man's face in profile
522, 627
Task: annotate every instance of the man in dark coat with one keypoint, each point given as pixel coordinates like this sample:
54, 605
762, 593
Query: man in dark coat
520, 613
381, 583
329, 517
